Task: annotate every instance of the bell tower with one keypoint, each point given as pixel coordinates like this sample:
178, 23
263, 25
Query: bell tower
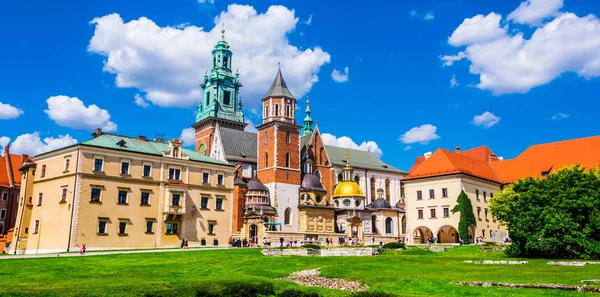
279, 150
222, 103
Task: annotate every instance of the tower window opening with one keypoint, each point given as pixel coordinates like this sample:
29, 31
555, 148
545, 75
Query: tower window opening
207, 98
225, 62
276, 110
266, 110
287, 111
226, 97
266, 138
214, 61
287, 137
287, 160
266, 160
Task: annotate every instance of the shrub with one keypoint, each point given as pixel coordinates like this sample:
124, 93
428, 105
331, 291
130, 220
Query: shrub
311, 246
296, 293
393, 246
373, 294
241, 289
489, 243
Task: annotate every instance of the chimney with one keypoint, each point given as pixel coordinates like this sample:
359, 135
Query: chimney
427, 155
97, 132
24, 158
142, 137
493, 157
457, 149
7, 150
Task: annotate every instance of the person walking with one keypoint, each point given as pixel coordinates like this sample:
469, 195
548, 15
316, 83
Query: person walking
280, 241
182, 243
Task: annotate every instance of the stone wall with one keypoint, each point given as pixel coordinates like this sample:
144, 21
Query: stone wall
329, 252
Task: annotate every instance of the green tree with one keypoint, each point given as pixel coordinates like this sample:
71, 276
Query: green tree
467, 217
554, 217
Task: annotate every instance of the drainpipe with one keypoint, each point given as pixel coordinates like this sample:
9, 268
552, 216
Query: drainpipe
73, 202
22, 211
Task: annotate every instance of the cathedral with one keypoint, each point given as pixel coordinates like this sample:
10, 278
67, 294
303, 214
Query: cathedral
288, 182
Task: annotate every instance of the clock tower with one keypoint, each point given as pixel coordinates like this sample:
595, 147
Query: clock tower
222, 104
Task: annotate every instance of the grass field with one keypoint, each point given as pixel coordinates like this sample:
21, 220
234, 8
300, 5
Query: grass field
409, 272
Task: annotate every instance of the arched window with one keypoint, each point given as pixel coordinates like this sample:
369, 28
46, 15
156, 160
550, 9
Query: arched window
266, 160
287, 216
374, 224
287, 160
225, 62
404, 225
202, 149
389, 226
266, 138
373, 189
287, 111
175, 152
321, 156
266, 110
276, 110
340, 178
287, 137
357, 179
387, 189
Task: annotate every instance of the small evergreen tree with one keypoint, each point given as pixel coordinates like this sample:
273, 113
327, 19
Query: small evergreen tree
467, 217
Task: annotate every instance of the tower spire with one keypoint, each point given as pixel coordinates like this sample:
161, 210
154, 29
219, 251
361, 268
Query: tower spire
308, 127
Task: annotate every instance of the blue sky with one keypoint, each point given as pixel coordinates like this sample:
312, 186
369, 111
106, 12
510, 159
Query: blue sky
533, 68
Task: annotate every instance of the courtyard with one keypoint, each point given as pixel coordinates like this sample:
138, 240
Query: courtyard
414, 271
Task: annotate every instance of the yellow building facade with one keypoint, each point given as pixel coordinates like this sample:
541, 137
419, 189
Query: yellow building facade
117, 192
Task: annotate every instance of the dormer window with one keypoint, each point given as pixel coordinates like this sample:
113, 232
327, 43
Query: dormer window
175, 152
121, 143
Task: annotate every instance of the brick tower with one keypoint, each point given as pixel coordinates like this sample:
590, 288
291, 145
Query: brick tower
279, 151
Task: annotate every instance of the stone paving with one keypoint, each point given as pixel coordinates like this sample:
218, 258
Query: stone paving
312, 278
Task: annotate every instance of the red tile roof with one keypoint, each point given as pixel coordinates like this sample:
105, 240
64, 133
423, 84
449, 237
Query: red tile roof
481, 161
9, 168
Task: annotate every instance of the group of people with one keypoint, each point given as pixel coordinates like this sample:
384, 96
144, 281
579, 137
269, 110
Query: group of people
184, 244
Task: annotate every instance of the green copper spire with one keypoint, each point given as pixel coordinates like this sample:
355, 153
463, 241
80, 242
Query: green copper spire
308, 127
221, 87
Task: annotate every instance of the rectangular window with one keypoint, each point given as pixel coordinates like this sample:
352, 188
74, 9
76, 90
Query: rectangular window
219, 203
484, 196
147, 170
247, 170
431, 194
145, 198
211, 228
220, 179
432, 213
98, 165
4, 196
485, 211
445, 193
215, 242
124, 167
420, 213
205, 177
122, 227
204, 203
36, 227
149, 226
43, 171
175, 199
67, 164
477, 194
40, 196
446, 212
419, 195
483, 233
122, 197
95, 196
2, 213
63, 195
226, 97
491, 195
101, 227
174, 174
203, 242
479, 213
172, 228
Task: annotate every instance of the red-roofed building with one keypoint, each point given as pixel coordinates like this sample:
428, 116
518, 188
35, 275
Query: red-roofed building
10, 184
436, 179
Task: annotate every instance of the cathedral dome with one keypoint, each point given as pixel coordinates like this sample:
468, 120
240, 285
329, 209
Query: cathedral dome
380, 203
255, 185
310, 182
348, 189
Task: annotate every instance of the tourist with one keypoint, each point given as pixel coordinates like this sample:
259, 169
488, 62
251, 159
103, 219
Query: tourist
245, 242
280, 241
327, 241
182, 243
186, 244
82, 249
230, 241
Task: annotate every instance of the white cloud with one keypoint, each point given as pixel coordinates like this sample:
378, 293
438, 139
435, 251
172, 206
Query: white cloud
71, 112
8, 111
168, 63
509, 63
347, 142
206, 1
250, 127
32, 145
423, 134
454, 82
486, 119
429, 16
560, 116
3, 142
478, 29
416, 15
188, 136
533, 12
407, 148
309, 20
140, 101
340, 77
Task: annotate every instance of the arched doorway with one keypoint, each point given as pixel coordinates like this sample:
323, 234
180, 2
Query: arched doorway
403, 224
253, 230
389, 227
447, 234
421, 234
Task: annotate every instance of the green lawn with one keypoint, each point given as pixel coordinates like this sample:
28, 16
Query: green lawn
409, 272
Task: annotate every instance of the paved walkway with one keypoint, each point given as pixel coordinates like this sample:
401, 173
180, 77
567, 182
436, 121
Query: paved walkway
102, 253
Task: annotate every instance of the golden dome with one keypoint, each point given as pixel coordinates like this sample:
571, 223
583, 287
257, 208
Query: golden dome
348, 189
